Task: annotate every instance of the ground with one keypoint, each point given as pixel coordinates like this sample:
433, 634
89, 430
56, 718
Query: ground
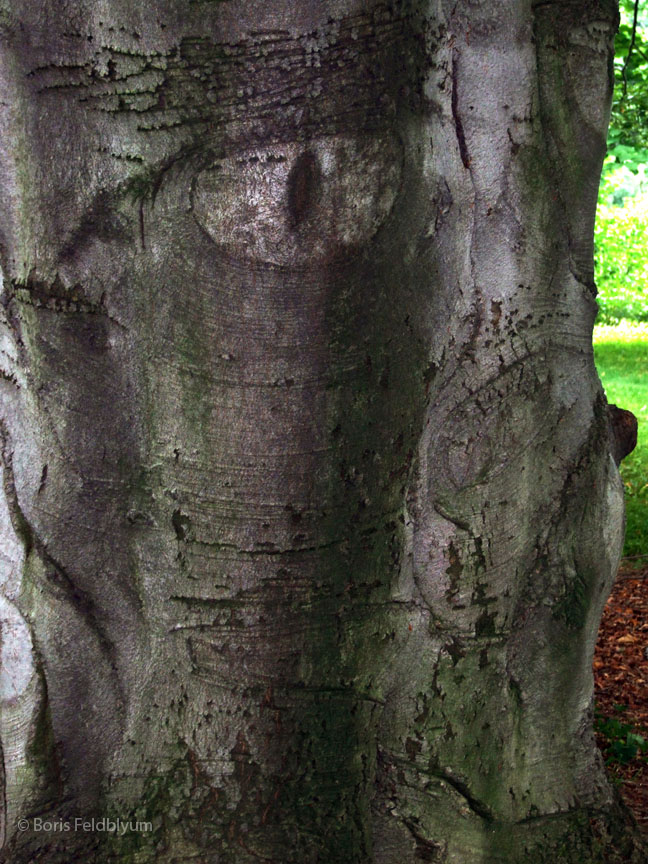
621, 687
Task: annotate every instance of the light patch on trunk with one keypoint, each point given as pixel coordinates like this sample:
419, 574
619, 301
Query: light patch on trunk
292, 205
16, 658
11, 550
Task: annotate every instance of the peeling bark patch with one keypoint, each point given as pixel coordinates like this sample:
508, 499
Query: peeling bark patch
496, 312
461, 135
485, 625
454, 571
181, 525
303, 187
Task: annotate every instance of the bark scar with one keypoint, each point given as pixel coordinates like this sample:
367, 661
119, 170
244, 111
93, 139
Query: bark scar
303, 187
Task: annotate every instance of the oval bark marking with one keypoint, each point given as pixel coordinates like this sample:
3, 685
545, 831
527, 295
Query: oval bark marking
291, 207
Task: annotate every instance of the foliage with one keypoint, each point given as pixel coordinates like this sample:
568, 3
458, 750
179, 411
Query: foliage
621, 354
629, 122
621, 242
621, 743
621, 234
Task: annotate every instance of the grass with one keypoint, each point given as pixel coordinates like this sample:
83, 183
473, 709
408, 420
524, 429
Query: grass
621, 353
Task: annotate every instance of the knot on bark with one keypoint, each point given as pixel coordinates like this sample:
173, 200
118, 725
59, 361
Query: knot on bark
622, 427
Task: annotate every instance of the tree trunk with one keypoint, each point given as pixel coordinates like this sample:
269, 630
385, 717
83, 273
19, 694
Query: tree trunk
310, 513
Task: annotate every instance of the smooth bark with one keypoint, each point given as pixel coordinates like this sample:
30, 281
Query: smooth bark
310, 512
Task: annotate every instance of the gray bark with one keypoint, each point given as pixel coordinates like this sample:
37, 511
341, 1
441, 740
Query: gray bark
309, 508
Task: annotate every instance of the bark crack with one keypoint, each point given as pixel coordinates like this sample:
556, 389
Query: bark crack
269, 549
478, 807
461, 135
427, 850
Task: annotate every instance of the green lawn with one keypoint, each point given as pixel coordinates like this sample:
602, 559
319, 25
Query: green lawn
621, 353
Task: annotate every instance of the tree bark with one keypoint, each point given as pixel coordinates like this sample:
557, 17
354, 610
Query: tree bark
310, 512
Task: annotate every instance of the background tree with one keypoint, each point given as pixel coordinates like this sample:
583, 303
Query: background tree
310, 508
629, 117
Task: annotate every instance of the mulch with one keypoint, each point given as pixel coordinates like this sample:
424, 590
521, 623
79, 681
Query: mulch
621, 686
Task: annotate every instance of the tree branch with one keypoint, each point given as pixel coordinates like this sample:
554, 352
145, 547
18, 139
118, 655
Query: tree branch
630, 49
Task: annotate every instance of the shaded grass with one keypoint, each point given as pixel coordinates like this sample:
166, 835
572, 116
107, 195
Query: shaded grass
621, 354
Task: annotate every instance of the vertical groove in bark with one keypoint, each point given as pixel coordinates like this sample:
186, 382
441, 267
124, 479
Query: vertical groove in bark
304, 439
